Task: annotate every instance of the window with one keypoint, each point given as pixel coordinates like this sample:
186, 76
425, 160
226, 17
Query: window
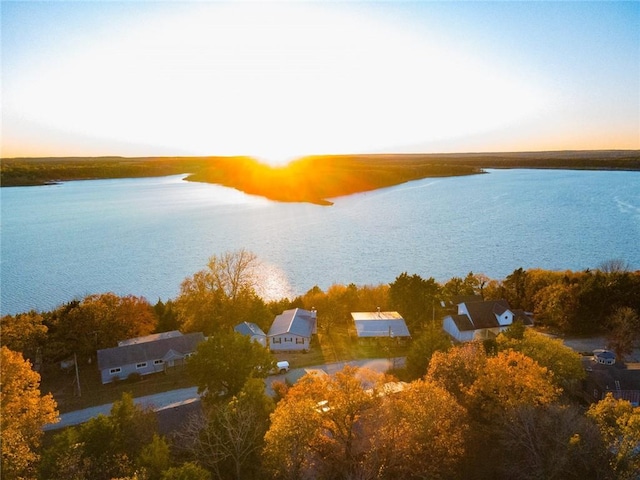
300, 340
276, 340
288, 339
158, 362
115, 370
141, 365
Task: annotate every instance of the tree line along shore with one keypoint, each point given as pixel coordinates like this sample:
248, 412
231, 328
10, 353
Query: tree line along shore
499, 409
311, 179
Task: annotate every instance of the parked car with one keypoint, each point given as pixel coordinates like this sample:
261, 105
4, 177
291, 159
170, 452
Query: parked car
282, 367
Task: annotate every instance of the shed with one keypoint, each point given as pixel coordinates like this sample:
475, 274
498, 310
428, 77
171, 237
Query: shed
379, 325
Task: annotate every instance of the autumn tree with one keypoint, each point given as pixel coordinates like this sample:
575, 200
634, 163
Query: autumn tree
100, 321
555, 306
317, 429
419, 432
24, 333
562, 361
24, 411
624, 331
224, 362
457, 370
551, 442
229, 436
619, 424
221, 295
509, 380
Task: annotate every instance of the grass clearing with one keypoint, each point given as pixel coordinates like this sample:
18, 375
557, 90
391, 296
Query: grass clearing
335, 346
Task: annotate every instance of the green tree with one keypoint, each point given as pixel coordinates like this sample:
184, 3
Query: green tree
432, 340
155, 457
105, 447
223, 363
187, 471
415, 298
619, 424
24, 412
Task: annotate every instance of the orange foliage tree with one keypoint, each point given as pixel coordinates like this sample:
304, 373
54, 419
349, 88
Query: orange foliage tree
24, 413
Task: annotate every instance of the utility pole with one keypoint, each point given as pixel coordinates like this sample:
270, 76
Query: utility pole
75, 362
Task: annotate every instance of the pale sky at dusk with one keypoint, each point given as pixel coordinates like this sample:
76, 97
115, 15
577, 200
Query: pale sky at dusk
279, 80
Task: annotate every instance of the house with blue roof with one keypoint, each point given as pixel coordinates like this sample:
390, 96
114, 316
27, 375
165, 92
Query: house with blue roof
292, 330
253, 331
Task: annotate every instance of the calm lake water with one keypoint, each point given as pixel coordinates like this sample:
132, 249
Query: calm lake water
144, 236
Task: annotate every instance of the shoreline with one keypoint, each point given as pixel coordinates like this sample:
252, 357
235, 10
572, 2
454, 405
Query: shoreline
312, 179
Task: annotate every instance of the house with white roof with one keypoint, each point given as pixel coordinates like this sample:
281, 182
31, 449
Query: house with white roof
481, 320
292, 330
146, 355
253, 331
380, 325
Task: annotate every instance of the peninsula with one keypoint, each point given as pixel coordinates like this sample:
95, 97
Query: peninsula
313, 179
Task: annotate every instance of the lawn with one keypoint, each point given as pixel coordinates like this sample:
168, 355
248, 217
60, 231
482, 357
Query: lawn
334, 346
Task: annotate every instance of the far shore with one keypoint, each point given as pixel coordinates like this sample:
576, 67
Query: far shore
312, 179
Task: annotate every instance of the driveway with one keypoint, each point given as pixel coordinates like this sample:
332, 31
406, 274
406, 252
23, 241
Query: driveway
175, 398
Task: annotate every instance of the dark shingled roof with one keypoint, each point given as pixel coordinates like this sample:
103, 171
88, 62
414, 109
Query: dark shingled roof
463, 323
483, 314
148, 351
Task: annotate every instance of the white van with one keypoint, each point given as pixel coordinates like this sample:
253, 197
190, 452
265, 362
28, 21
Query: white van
282, 367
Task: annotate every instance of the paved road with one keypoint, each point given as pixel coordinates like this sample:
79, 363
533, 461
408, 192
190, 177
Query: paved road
182, 396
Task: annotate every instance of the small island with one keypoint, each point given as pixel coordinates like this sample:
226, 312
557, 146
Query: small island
313, 179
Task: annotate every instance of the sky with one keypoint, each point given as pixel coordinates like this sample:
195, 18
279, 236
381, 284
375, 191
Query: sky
277, 80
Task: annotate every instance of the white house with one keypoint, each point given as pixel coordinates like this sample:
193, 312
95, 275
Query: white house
146, 355
480, 320
380, 325
253, 331
292, 330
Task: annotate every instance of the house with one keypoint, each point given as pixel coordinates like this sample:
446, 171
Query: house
292, 330
146, 355
380, 325
603, 378
482, 320
253, 331
604, 357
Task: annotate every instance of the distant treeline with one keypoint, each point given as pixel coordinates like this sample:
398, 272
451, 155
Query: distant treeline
309, 179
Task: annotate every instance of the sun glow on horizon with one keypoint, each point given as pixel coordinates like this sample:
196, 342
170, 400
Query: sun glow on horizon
275, 82
279, 81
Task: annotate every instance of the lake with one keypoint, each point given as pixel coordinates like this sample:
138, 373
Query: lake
144, 236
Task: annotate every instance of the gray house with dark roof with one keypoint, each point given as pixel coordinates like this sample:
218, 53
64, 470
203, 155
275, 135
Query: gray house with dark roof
292, 330
146, 355
482, 320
